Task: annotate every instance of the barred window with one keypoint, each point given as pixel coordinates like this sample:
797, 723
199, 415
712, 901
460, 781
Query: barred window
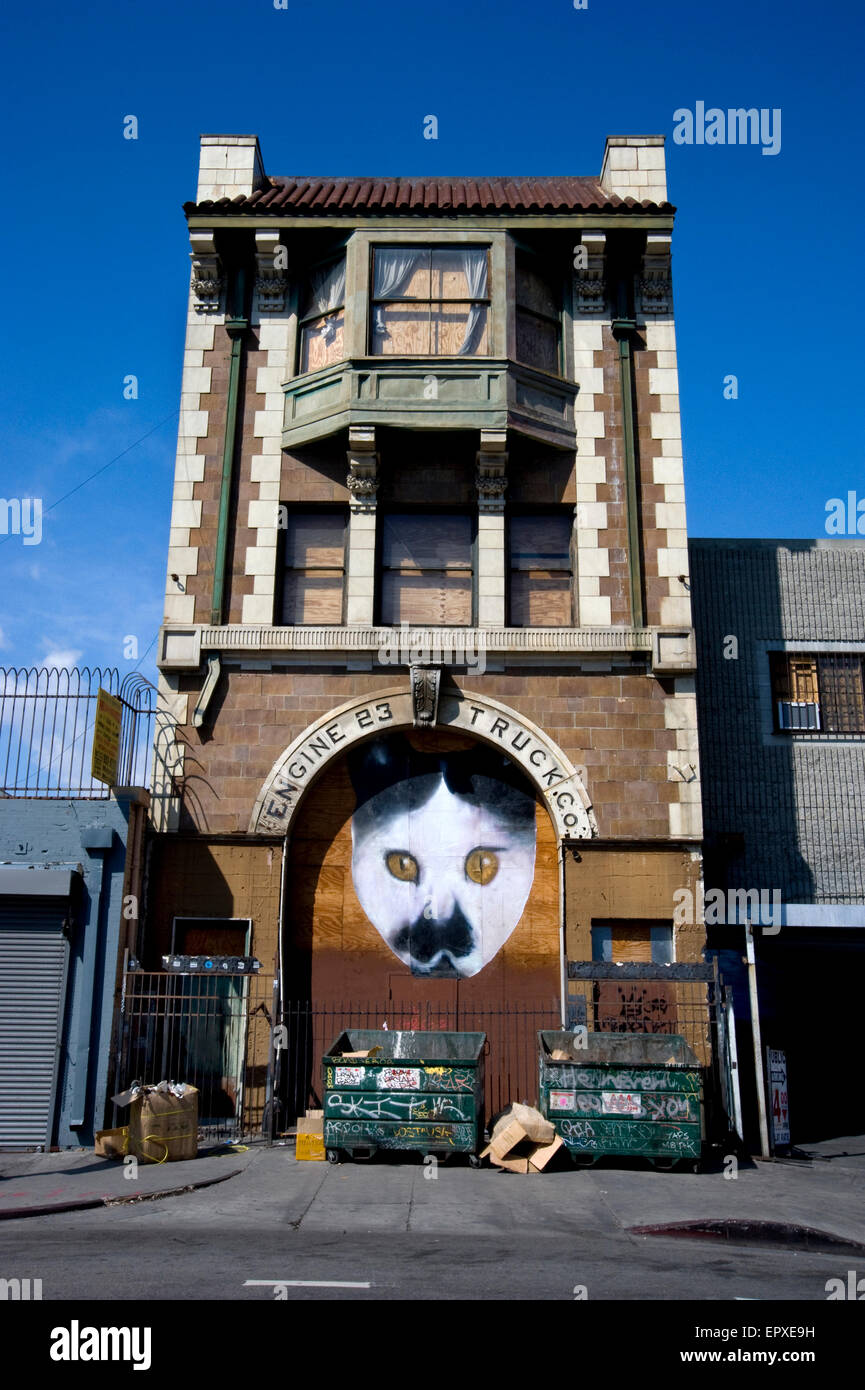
818, 692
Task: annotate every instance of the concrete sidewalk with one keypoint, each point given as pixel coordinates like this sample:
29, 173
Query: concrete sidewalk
36, 1184
395, 1193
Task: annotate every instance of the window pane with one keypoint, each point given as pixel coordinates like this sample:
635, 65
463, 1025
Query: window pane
322, 342
540, 542
540, 600
436, 599
312, 597
537, 342
401, 272
401, 329
315, 540
841, 693
427, 542
455, 329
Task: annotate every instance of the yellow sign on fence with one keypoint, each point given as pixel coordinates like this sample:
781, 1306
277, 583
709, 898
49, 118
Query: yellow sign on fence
106, 738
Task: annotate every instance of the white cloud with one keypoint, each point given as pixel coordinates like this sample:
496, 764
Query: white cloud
57, 656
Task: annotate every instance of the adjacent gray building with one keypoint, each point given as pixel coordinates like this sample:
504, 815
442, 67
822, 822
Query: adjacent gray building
781, 707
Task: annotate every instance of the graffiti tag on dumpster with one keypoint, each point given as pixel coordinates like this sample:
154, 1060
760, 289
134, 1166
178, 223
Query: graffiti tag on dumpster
621, 1103
399, 1079
348, 1076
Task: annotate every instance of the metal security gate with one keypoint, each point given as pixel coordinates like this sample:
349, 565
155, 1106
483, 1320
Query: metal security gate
33, 964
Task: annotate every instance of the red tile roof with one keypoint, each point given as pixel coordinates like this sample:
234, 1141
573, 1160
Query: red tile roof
350, 197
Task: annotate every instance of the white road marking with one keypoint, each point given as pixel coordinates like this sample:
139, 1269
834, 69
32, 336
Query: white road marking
307, 1283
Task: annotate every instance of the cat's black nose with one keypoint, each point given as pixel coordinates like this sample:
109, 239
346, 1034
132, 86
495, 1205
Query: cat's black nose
426, 937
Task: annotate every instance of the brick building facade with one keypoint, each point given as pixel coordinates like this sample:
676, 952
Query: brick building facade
427, 666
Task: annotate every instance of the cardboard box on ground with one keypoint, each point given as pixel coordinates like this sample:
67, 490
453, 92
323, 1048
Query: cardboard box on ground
522, 1141
163, 1124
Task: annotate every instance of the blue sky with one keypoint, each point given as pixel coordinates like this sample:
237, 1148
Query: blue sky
767, 249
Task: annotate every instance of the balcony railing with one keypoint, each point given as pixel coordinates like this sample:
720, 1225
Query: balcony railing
47, 718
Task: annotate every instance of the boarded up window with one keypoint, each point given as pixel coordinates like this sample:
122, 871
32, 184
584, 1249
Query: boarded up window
430, 301
540, 570
538, 319
427, 570
314, 568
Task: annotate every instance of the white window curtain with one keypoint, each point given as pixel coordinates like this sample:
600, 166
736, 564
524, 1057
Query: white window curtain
474, 261
327, 291
394, 268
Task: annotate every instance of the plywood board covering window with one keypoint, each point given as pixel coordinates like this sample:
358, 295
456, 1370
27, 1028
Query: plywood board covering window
314, 568
322, 317
430, 301
538, 320
427, 569
540, 570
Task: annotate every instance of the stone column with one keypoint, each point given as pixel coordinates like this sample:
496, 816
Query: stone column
491, 483
362, 484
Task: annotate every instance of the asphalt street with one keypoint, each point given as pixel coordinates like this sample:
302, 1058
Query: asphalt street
301, 1231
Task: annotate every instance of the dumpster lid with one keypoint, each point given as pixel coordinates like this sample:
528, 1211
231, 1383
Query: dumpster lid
620, 1049
400, 1045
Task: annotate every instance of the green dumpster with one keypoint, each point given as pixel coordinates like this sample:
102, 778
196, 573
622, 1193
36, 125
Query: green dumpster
413, 1090
634, 1094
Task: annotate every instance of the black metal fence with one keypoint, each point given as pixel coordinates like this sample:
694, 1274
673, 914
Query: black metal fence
213, 1031
257, 1069
511, 1052
46, 730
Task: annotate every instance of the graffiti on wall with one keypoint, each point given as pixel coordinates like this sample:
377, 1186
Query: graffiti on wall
443, 852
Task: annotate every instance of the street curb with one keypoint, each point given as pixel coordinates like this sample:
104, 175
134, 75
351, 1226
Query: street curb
738, 1231
89, 1203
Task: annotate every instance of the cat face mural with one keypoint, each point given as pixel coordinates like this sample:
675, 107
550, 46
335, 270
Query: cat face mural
443, 852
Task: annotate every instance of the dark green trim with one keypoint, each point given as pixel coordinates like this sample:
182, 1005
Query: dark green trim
235, 326
622, 331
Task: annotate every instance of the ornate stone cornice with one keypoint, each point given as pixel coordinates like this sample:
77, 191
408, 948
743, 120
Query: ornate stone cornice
490, 479
207, 273
362, 480
590, 285
656, 282
271, 282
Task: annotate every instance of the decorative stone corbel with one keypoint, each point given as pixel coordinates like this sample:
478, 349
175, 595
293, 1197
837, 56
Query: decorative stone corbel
271, 281
362, 480
207, 274
425, 683
492, 462
656, 282
590, 278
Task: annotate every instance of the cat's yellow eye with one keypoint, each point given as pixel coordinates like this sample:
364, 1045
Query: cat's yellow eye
482, 865
403, 866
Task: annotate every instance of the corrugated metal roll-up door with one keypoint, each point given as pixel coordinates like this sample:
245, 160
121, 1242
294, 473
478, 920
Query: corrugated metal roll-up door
33, 963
